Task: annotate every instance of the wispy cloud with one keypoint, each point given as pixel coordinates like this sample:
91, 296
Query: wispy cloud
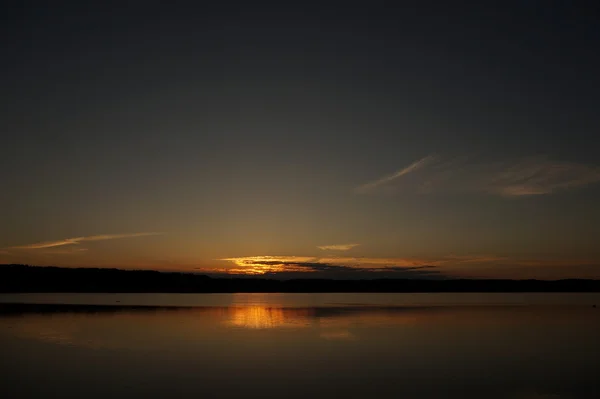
517, 178
78, 240
338, 247
117, 236
389, 178
461, 266
400, 267
50, 244
536, 176
473, 258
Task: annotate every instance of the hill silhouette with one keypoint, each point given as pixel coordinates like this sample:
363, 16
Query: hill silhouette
24, 278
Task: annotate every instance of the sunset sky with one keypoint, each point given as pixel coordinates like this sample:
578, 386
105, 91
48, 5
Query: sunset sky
303, 139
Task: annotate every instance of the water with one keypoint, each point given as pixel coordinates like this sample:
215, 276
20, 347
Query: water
300, 346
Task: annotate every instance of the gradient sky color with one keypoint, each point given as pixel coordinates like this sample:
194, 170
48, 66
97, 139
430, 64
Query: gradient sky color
423, 139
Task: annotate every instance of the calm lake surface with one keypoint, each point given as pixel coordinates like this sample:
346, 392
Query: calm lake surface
299, 346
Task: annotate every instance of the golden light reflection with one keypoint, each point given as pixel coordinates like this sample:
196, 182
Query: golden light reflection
260, 317
110, 328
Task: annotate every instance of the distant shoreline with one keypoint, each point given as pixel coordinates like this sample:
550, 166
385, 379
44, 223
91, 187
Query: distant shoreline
38, 279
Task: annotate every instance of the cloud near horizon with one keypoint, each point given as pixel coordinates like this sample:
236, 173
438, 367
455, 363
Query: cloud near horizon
78, 240
338, 247
400, 267
522, 177
449, 266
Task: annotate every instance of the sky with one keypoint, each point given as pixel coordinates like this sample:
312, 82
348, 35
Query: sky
426, 139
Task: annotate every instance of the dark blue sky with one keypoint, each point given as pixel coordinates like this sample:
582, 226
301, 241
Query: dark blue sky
460, 136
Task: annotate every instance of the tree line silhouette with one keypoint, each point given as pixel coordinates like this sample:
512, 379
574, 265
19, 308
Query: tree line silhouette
24, 278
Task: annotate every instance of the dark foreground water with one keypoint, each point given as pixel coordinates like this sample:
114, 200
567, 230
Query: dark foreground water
300, 346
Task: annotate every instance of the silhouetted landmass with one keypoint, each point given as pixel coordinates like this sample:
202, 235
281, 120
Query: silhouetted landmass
22, 278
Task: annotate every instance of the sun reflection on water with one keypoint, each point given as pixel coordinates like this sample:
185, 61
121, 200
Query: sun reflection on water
145, 328
261, 317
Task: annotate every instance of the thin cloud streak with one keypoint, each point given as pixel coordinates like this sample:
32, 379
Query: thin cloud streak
381, 262
338, 247
363, 261
50, 244
260, 265
117, 236
306, 268
457, 266
78, 240
387, 179
529, 176
537, 176
474, 258
257, 265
